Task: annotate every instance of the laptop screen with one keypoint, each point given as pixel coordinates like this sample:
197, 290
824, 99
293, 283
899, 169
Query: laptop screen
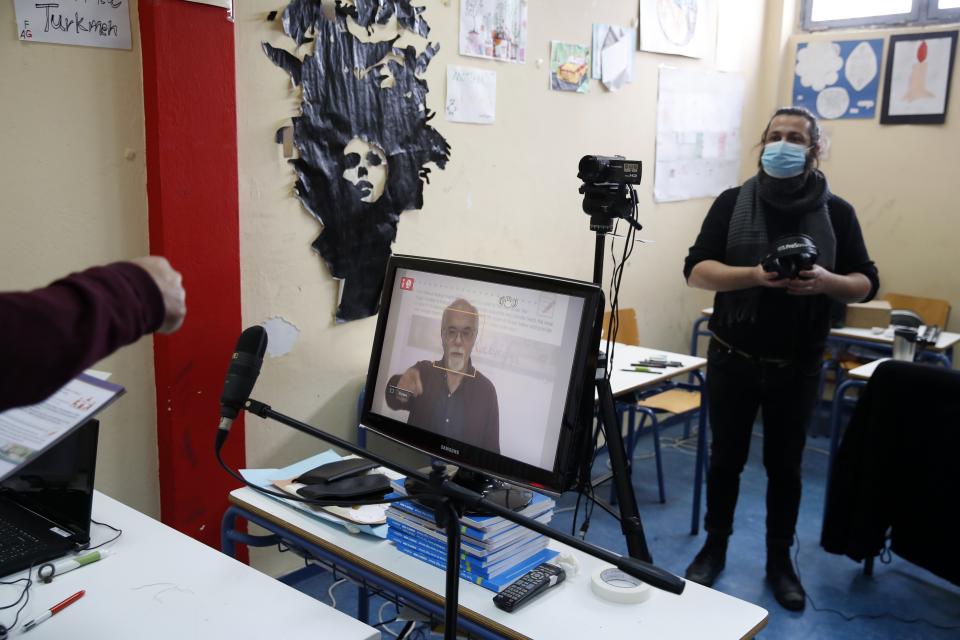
58, 484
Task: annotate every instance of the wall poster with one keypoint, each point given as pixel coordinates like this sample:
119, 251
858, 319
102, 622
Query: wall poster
838, 79
917, 87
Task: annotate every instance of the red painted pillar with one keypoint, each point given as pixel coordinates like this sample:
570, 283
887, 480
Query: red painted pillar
189, 96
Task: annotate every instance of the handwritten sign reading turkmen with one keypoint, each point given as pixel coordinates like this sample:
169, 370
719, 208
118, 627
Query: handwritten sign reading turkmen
91, 23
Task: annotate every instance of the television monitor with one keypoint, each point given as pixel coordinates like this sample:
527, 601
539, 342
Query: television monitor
486, 368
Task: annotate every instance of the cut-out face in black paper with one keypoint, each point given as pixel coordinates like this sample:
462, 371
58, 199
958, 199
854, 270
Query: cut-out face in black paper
366, 169
363, 140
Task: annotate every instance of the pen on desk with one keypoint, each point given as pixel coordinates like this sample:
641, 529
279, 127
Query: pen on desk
658, 363
642, 370
52, 611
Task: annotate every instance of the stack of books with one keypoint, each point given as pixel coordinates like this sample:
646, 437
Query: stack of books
493, 551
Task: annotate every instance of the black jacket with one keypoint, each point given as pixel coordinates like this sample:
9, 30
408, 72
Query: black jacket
897, 468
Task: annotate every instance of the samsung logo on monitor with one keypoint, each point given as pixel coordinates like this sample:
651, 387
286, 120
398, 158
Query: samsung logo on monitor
444, 447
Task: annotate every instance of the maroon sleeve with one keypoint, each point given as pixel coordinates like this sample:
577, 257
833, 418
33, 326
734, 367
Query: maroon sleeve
49, 335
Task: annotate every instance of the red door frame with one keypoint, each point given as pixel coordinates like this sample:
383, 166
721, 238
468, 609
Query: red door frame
189, 95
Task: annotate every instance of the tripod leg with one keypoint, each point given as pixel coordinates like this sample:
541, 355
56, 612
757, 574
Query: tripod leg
629, 515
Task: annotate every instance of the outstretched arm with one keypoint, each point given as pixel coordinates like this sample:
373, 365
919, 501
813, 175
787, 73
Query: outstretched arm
49, 335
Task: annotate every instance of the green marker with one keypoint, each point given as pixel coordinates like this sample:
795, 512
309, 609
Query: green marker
643, 370
50, 570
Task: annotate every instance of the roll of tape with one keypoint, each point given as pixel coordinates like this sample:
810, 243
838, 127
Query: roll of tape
616, 586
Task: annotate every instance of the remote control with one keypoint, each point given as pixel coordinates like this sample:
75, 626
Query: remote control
528, 586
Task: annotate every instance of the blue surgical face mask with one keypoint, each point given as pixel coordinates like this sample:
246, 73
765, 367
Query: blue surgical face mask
783, 159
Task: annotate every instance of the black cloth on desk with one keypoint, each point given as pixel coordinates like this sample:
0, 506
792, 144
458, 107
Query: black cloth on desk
897, 468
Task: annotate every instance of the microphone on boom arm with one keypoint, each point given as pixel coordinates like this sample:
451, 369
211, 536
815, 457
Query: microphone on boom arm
241, 377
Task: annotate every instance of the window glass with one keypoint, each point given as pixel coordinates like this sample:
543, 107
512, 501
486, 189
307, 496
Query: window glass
824, 10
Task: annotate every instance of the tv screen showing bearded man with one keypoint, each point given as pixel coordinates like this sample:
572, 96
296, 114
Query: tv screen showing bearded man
449, 396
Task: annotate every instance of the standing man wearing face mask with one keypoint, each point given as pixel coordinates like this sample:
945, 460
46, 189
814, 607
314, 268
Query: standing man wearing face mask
769, 333
449, 396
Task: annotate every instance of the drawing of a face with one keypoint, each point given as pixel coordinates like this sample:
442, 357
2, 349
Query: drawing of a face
365, 168
364, 121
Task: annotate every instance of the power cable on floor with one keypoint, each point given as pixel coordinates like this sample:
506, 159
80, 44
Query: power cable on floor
865, 616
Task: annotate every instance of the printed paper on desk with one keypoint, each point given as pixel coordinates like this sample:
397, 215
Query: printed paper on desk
25, 432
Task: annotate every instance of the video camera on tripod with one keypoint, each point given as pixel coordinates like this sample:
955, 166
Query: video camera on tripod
608, 191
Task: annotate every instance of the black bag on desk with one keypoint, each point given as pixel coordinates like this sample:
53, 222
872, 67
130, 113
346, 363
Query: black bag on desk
362, 488
345, 479
337, 470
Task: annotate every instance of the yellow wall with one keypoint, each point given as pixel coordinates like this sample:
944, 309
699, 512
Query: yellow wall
902, 180
73, 182
508, 197
73, 179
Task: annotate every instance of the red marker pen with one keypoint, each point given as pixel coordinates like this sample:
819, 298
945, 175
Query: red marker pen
55, 609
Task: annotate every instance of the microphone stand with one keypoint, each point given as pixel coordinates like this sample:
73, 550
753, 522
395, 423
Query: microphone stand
454, 499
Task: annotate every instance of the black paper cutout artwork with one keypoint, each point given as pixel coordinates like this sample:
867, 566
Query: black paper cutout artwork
363, 115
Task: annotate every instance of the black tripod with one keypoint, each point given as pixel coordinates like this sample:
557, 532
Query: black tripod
449, 501
630, 523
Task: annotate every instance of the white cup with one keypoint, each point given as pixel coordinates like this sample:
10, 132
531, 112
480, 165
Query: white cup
904, 343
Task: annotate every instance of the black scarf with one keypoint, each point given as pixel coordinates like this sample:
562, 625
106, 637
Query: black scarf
803, 198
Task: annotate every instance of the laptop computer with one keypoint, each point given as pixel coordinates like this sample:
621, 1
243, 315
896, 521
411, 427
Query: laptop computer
45, 506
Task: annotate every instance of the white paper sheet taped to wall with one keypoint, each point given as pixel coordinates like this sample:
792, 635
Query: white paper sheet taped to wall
105, 23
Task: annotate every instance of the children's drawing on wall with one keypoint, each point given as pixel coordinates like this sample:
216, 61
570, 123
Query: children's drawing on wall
917, 87
838, 79
569, 64
679, 27
698, 133
363, 139
495, 29
613, 50
471, 95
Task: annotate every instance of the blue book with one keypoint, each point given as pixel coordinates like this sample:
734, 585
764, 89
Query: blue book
465, 567
495, 584
488, 533
440, 546
470, 537
539, 505
481, 566
397, 521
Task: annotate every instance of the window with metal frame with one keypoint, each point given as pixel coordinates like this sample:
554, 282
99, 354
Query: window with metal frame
818, 15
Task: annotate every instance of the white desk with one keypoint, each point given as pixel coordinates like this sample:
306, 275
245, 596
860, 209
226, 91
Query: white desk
945, 341
622, 382
570, 610
864, 371
160, 584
